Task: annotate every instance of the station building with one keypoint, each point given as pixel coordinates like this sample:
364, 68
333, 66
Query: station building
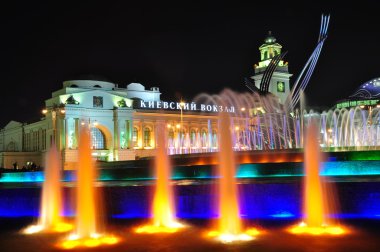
122, 123
123, 120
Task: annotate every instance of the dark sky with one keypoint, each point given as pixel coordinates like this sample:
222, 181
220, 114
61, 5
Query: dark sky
184, 48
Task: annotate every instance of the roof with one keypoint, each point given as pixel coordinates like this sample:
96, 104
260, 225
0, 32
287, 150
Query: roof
368, 90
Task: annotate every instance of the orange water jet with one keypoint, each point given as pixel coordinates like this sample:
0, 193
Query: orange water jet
316, 205
86, 222
50, 219
87, 227
229, 222
164, 220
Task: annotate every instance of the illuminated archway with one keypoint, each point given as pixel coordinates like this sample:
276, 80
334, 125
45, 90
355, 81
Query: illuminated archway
98, 139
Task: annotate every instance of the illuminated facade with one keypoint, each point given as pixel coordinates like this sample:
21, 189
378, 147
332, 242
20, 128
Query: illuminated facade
122, 122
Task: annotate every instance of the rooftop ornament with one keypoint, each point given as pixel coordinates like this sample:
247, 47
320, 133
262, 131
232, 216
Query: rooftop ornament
71, 100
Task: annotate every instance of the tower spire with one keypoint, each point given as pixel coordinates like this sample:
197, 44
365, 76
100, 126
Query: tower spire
279, 81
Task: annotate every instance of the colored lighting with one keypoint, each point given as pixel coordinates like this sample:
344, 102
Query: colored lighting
164, 217
248, 235
303, 229
50, 219
152, 229
57, 228
85, 234
94, 241
329, 168
316, 195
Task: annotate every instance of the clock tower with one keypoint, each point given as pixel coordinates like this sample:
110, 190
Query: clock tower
279, 83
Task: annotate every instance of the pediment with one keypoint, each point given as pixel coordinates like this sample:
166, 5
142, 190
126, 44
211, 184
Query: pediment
13, 124
95, 99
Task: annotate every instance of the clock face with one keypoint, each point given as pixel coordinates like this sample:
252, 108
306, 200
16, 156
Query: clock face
98, 102
281, 86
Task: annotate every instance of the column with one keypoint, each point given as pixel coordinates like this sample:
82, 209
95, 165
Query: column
62, 133
67, 133
76, 133
128, 133
116, 139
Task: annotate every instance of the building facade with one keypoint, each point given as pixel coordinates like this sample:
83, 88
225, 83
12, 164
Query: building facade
123, 121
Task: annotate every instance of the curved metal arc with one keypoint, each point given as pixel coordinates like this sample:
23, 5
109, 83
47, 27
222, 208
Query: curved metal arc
307, 76
293, 97
266, 73
265, 81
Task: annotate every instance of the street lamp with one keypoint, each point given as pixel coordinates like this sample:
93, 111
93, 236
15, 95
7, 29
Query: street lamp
55, 109
181, 130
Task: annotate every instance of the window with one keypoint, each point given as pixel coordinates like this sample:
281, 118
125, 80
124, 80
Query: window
97, 101
171, 134
135, 137
193, 141
280, 86
147, 137
214, 139
98, 140
204, 138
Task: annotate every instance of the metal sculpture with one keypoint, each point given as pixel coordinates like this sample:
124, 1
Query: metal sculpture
304, 78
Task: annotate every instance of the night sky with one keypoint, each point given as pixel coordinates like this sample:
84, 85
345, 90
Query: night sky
184, 48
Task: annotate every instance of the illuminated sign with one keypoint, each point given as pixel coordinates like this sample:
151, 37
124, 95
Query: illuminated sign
185, 106
348, 104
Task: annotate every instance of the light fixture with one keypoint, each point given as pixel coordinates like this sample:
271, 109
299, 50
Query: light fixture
182, 104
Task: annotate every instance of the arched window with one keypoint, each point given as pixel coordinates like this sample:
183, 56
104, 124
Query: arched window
97, 86
147, 134
135, 136
193, 138
214, 139
98, 140
204, 138
171, 133
171, 137
74, 85
265, 55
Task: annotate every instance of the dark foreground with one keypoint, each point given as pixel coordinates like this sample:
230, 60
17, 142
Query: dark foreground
364, 236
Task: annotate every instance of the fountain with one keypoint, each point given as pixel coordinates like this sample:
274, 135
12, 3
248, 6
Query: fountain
316, 205
164, 220
87, 225
50, 219
264, 124
230, 226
